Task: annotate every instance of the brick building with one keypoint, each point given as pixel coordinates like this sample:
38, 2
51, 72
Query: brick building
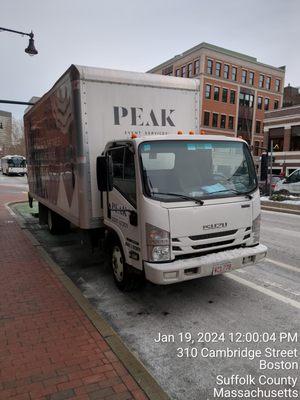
283, 127
236, 89
291, 96
5, 131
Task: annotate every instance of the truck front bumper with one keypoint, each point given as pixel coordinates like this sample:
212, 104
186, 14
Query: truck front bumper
197, 267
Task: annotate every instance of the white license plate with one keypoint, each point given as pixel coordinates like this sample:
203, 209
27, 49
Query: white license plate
221, 268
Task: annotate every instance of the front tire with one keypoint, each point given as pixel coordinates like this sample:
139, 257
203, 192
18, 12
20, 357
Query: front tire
124, 278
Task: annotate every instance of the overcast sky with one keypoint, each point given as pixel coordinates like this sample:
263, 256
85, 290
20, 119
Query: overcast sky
137, 35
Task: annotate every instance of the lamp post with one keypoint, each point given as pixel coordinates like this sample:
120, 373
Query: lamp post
30, 49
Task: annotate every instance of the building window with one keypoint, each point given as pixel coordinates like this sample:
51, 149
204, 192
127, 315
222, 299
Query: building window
226, 71
218, 69
246, 99
209, 67
216, 93
261, 81
244, 76
232, 96
183, 71
177, 72
207, 91
251, 78
258, 125
224, 95
168, 71
230, 122
234, 73
267, 104
256, 148
245, 125
190, 70
1, 125
223, 121
277, 85
276, 104
259, 102
215, 120
197, 67
268, 82
206, 118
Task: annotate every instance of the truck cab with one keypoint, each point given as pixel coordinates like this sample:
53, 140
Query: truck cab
179, 207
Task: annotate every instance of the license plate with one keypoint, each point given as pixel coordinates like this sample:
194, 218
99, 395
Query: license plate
221, 268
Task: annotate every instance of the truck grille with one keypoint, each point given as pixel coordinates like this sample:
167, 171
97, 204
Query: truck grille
213, 235
196, 245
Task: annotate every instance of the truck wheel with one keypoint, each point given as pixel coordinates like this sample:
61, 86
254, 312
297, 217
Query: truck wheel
56, 223
124, 279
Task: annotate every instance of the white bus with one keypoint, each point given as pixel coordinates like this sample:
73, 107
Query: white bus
15, 164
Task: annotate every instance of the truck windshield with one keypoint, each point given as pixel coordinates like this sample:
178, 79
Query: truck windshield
197, 169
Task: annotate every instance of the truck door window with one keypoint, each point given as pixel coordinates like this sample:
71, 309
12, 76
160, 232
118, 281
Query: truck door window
124, 173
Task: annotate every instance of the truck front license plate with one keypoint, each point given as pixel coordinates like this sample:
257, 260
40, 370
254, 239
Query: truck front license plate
221, 268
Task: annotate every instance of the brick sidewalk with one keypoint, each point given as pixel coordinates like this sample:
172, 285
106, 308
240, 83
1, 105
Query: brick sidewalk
49, 349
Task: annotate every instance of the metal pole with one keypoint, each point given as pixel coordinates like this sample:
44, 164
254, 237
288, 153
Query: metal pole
18, 32
24, 103
271, 166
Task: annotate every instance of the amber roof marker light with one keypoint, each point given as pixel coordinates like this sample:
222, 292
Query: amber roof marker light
30, 49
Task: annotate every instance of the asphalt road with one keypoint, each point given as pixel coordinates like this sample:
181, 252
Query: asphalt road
262, 301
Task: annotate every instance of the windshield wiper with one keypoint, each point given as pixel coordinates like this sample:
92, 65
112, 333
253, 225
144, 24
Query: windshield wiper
234, 191
182, 196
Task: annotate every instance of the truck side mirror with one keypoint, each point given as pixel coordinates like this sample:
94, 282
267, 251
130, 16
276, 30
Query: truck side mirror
104, 173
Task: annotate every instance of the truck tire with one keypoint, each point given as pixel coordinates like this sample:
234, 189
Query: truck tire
56, 223
124, 278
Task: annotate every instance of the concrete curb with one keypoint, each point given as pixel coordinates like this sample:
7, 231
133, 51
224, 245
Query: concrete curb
134, 366
275, 208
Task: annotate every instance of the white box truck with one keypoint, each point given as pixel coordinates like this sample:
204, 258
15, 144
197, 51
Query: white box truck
121, 153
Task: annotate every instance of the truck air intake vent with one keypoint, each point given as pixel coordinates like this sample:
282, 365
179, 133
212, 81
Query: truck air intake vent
207, 245
213, 235
176, 248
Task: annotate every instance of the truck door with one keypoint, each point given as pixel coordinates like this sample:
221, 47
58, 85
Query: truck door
120, 205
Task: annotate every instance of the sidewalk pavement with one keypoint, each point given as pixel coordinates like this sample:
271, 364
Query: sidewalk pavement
49, 348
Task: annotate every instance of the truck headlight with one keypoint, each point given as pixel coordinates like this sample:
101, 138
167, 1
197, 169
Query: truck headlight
256, 229
158, 243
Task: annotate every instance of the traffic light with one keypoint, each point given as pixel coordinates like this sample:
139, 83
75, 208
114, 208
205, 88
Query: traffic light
264, 167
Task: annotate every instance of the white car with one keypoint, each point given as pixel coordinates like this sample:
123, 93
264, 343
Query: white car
289, 185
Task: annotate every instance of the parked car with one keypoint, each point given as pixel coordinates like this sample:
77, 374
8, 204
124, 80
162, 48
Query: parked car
265, 188
289, 185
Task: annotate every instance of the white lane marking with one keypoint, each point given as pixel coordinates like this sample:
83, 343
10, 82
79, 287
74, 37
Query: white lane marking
281, 231
283, 265
282, 213
264, 290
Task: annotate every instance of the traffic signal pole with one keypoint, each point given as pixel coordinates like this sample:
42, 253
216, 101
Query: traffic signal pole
271, 167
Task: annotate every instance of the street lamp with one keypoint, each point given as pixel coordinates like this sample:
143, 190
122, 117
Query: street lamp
31, 50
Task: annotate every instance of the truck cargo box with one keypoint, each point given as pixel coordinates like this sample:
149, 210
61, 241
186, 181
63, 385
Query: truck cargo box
87, 107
